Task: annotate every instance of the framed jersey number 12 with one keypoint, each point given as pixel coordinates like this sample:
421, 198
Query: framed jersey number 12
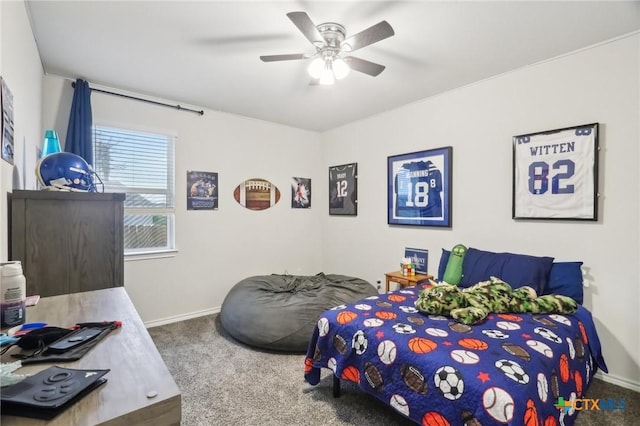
343, 190
419, 188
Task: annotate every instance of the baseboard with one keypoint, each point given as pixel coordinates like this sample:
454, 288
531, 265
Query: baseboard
618, 381
183, 317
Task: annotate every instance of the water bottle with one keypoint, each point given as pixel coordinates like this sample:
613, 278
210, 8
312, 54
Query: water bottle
13, 298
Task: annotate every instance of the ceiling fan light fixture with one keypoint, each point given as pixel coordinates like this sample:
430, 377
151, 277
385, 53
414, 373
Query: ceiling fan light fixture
340, 68
326, 77
330, 42
316, 67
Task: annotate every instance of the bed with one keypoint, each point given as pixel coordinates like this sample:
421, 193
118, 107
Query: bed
519, 369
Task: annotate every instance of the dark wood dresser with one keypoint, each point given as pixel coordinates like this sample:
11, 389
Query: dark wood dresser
68, 242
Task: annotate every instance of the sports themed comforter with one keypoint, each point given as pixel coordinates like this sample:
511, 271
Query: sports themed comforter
511, 369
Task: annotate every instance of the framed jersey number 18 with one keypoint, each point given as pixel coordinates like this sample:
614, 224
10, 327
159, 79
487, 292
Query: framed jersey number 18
419, 188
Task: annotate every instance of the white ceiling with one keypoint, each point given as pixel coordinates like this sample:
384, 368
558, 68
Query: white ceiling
206, 53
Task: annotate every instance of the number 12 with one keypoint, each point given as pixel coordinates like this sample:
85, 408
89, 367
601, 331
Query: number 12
341, 187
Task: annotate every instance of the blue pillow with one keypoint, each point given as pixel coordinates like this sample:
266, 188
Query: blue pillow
565, 278
515, 269
444, 258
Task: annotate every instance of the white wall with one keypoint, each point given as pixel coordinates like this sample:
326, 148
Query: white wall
600, 84
20, 67
218, 248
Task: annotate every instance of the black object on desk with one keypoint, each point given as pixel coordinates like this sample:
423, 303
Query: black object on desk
49, 392
68, 347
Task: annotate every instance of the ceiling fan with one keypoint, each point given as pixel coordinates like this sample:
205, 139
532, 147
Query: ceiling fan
332, 55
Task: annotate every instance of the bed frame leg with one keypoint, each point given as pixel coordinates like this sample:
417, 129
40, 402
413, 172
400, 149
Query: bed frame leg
336, 386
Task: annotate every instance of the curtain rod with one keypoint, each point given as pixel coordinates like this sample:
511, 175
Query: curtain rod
178, 107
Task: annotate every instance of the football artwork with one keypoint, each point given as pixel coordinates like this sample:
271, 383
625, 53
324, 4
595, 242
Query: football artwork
343, 189
256, 194
419, 188
202, 191
300, 193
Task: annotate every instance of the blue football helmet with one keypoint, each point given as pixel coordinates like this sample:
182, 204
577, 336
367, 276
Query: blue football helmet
64, 171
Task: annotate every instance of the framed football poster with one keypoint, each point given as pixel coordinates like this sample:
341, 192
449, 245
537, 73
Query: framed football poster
7, 123
343, 189
555, 174
419, 188
202, 190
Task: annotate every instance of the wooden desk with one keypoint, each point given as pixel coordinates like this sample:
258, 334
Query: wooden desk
136, 366
405, 281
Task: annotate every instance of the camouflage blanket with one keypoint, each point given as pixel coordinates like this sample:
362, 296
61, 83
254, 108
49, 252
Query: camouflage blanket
472, 305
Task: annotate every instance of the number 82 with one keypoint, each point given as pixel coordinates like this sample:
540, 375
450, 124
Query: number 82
539, 173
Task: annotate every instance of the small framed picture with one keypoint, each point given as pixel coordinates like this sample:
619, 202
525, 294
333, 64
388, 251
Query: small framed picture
555, 174
419, 257
343, 190
202, 190
300, 193
419, 188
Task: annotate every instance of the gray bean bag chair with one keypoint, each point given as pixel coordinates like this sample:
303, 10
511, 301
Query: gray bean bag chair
279, 312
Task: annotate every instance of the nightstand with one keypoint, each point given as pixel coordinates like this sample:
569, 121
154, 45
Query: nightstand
405, 281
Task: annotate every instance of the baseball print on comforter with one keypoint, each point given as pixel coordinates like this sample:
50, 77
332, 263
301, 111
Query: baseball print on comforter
511, 369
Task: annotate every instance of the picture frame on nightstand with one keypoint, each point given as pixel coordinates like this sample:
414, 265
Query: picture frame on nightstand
419, 257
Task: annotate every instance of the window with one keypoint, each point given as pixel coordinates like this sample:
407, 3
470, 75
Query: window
142, 166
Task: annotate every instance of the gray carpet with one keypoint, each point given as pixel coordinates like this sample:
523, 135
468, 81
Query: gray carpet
224, 382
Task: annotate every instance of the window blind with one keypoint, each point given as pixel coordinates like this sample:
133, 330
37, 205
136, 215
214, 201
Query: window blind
142, 166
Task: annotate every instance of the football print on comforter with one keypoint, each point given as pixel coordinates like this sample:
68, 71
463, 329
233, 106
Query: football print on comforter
511, 369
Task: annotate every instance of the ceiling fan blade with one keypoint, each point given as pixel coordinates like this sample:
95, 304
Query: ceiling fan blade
307, 27
371, 35
291, 57
366, 67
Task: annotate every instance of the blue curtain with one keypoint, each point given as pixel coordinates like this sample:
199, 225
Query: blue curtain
80, 122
